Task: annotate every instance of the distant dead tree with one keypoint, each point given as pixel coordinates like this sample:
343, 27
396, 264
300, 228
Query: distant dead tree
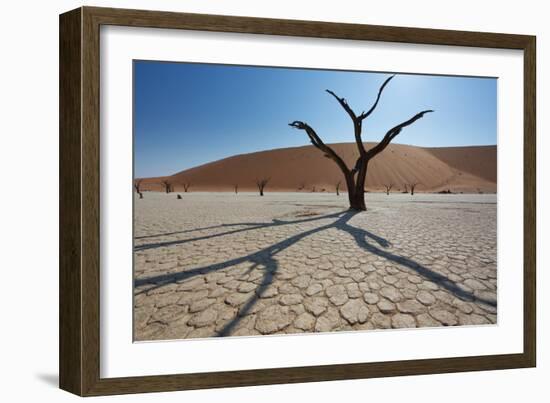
167, 186
137, 184
261, 183
338, 188
388, 188
236, 187
301, 186
355, 177
413, 186
406, 188
186, 186
313, 189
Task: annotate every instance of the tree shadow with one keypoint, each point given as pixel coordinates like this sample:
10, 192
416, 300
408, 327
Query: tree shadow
196, 230
265, 260
248, 227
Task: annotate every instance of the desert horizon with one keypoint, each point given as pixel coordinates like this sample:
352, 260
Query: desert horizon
460, 169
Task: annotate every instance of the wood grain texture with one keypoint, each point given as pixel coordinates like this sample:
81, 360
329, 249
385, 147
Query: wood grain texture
90, 202
70, 271
530, 203
80, 200
316, 29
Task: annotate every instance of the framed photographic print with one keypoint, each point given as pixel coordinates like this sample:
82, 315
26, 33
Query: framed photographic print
250, 201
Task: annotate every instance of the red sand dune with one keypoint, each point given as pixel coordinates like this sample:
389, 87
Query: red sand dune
459, 169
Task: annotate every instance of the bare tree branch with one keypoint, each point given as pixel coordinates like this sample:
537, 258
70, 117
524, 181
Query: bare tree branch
393, 132
344, 104
356, 122
365, 115
318, 143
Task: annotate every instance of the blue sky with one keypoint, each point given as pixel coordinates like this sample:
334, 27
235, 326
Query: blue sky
189, 114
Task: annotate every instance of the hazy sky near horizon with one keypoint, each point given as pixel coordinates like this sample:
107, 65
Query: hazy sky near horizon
189, 114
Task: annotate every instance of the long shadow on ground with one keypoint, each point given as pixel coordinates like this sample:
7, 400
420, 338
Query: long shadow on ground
265, 260
249, 227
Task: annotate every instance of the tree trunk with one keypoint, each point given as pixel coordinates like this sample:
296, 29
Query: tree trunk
261, 192
357, 200
356, 194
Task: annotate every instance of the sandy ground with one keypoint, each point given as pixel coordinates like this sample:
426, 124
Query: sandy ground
220, 264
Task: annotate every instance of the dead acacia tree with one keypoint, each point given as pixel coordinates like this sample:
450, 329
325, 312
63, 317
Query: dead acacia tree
137, 187
261, 183
413, 186
338, 188
388, 188
236, 187
186, 186
167, 186
137, 184
355, 177
406, 188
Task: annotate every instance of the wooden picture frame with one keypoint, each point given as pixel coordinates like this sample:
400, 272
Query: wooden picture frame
79, 346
